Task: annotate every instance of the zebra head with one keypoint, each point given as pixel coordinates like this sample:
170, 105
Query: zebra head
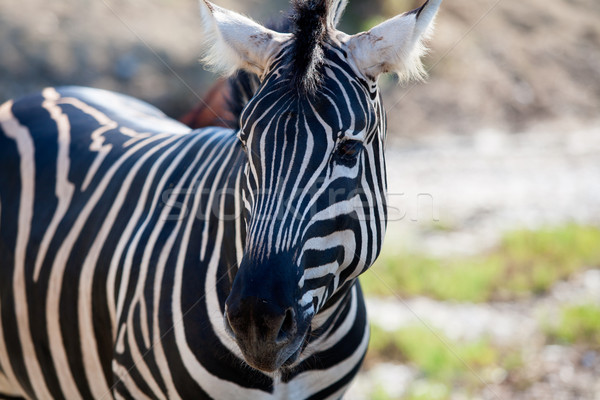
314, 183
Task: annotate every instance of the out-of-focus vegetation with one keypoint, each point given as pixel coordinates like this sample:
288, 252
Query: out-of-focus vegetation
576, 324
525, 263
443, 363
447, 366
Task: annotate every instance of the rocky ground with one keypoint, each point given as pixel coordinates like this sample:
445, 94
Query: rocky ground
549, 371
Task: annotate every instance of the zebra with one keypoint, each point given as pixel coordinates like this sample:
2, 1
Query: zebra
142, 259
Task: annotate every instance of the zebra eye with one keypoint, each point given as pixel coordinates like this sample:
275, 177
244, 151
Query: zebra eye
348, 150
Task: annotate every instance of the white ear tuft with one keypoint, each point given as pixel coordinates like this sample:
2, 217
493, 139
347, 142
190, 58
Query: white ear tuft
396, 45
335, 10
234, 42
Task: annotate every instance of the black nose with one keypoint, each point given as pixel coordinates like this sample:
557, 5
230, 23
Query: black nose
261, 325
261, 313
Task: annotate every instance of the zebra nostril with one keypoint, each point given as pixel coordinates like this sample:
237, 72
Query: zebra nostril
288, 326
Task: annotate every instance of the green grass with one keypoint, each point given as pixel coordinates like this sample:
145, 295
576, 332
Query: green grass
443, 363
524, 263
576, 324
436, 356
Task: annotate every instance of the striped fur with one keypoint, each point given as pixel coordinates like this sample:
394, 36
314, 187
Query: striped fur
127, 240
99, 216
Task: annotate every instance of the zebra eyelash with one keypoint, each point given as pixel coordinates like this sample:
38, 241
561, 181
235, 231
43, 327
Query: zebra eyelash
347, 151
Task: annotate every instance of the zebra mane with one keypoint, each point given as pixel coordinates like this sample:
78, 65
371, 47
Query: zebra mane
309, 19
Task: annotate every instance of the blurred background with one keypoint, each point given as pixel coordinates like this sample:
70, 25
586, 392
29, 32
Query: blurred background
489, 283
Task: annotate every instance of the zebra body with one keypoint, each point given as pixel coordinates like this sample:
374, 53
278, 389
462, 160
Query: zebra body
133, 251
141, 259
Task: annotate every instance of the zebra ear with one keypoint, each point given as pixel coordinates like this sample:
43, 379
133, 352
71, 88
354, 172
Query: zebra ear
234, 42
395, 45
335, 10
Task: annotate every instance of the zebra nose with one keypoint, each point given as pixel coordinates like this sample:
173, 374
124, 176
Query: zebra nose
259, 324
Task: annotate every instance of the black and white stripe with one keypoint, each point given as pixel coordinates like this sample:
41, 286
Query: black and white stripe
102, 255
140, 259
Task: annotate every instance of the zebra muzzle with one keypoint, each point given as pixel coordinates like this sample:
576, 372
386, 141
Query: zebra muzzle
267, 334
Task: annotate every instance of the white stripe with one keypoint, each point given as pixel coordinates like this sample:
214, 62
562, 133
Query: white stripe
25, 146
91, 360
97, 137
239, 247
118, 396
127, 381
102, 153
6, 388
320, 271
331, 75
133, 222
57, 348
64, 188
8, 382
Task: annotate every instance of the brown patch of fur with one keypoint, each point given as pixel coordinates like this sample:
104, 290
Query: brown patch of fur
213, 110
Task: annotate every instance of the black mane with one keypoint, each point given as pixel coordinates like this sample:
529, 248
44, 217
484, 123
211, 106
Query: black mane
306, 54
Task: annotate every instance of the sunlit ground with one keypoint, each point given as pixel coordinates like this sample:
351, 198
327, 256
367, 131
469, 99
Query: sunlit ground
488, 286
525, 266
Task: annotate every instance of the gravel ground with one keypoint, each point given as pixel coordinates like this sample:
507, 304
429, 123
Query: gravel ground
548, 372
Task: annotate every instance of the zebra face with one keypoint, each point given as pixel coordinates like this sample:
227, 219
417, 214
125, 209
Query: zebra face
314, 191
314, 182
